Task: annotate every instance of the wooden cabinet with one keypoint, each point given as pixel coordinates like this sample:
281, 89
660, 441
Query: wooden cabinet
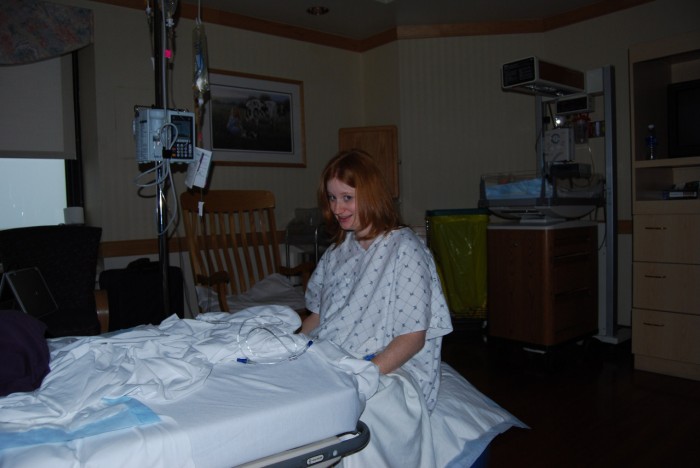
666, 237
542, 282
666, 294
668, 343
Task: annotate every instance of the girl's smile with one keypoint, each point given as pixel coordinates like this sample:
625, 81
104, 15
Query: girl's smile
342, 202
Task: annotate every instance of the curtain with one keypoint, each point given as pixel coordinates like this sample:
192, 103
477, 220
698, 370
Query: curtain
33, 30
36, 77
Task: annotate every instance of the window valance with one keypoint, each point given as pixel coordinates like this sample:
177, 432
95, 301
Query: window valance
33, 30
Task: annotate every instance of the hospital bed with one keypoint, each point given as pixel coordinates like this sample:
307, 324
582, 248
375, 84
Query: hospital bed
195, 393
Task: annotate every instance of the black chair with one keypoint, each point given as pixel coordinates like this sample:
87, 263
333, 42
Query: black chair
66, 255
135, 294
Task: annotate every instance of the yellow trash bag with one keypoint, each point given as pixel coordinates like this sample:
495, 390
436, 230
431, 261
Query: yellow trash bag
457, 239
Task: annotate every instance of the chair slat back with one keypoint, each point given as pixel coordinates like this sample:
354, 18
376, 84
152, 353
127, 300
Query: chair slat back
234, 234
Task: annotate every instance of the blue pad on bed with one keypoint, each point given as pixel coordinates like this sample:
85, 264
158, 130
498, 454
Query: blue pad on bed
119, 413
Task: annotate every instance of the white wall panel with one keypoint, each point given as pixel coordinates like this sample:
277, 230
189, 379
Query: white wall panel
457, 123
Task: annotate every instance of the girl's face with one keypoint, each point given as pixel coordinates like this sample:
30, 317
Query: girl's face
341, 198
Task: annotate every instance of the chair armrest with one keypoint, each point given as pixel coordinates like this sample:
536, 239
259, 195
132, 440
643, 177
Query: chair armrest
217, 278
102, 304
303, 269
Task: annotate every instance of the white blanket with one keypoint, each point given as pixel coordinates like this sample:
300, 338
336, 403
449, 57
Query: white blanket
274, 289
465, 421
403, 434
155, 364
185, 394
179, 395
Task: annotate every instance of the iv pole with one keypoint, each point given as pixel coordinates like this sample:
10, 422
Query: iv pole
159, 42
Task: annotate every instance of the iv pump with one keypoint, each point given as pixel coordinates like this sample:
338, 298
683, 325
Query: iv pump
163, 134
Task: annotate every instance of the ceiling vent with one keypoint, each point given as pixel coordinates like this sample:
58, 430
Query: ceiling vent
534, 76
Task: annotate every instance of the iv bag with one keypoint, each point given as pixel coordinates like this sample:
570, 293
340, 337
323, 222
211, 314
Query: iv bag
200, 82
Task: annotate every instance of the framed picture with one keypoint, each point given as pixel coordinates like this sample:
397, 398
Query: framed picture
253, 120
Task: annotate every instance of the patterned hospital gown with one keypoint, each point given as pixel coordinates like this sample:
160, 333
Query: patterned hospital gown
367, 297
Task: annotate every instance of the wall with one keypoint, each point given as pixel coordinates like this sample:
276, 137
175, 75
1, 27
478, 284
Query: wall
118, 75
455, 123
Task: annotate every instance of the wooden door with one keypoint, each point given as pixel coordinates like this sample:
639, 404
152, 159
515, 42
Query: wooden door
381, 143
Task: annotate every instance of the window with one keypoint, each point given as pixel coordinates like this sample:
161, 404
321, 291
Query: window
38, 157
33, 192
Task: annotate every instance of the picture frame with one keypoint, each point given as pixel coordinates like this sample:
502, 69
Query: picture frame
254, 120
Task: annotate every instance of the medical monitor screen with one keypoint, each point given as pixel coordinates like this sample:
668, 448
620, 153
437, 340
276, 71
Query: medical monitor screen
183, 123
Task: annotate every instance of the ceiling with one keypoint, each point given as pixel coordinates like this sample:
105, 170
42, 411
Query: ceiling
361, 19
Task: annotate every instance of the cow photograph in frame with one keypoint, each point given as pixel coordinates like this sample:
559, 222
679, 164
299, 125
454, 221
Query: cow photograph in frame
254, 120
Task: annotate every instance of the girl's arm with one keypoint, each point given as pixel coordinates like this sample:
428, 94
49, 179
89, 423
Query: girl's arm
310, 322
399, 351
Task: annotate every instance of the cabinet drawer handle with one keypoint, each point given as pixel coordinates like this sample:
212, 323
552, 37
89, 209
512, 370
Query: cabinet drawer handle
655, 276
655, 228
653, 324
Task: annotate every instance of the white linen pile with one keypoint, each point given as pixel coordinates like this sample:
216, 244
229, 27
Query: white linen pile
460, 427
185, 393
153, 386
275, 289
155, 364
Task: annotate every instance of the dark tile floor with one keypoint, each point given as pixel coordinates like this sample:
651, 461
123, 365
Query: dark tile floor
584, 403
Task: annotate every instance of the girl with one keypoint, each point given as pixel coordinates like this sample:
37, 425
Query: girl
375, 292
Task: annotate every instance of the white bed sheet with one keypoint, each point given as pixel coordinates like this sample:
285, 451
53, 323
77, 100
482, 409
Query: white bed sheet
274, 289
246, 412
223, 413
455, 434
465, 421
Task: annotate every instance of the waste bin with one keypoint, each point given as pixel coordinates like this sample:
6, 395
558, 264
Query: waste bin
457, 239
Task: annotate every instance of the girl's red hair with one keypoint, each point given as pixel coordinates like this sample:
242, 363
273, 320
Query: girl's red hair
373, 202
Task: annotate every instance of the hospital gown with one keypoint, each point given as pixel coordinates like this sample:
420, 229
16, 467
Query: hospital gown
365, 298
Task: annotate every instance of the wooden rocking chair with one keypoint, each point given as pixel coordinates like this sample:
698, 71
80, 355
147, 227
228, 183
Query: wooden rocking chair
232, 241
